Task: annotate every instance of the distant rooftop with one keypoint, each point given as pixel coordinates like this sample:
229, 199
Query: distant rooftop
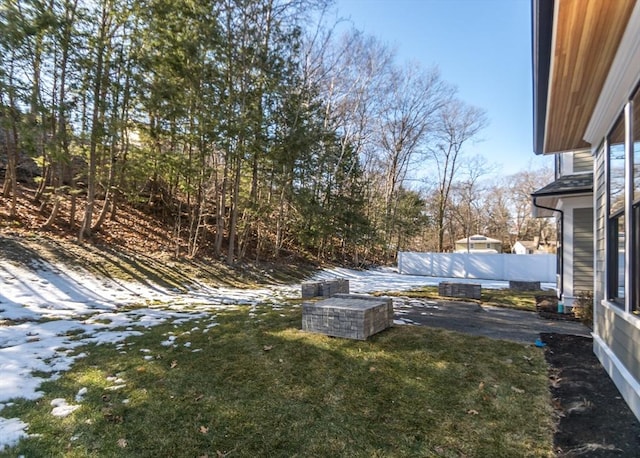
479, 238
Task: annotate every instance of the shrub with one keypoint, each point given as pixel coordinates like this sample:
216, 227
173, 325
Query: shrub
583, 307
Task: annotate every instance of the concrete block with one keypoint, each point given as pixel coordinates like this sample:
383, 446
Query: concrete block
355, 317
464, 290
326, 288
524, 285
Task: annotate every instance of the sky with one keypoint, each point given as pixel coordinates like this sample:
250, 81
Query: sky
483, 47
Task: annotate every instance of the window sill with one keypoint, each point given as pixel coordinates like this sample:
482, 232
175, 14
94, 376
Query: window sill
630, 318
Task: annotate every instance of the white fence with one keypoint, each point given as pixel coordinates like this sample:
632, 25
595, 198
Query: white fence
518, 267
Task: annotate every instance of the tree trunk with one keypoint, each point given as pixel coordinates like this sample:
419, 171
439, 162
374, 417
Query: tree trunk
96, 134
233, 218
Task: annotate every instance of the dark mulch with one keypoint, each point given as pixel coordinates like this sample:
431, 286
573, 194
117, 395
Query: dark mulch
593, 419
547, 307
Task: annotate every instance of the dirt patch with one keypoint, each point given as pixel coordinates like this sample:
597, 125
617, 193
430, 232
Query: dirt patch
593, 419
547, 308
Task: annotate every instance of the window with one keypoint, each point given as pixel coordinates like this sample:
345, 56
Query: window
623, 218
616, 206
635, 206
636, 148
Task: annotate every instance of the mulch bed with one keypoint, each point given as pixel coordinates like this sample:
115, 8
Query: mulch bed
593, 419
547, 307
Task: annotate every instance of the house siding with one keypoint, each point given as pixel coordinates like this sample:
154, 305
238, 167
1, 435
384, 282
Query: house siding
582, 162
582, 250
616, 332
622, 338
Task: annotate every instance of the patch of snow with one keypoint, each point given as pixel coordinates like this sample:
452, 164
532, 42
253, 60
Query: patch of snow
115, 387
168, 342
61, 408
11, 431
82, 392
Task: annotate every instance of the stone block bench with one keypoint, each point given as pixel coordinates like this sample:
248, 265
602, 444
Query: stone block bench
524, 285
348, 315
326, 288
464, 290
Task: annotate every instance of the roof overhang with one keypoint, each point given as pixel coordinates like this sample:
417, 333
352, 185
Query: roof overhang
574, 45
547, 199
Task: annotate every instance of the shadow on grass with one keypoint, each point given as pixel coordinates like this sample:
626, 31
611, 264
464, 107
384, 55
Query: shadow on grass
258, 386
151, 270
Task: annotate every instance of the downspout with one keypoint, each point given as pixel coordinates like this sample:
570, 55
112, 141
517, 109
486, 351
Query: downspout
561, 273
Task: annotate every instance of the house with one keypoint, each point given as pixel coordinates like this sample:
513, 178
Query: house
525, 247
569, 198
533, 247
586, 75
478, 244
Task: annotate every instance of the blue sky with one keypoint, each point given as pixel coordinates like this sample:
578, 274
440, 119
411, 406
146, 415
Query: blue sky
483, 47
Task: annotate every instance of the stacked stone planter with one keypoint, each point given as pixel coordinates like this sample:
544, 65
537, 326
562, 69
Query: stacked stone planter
348, 315
524, 285
326, 288
464, 290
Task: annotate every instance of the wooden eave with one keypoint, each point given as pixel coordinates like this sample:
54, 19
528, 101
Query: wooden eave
584, 38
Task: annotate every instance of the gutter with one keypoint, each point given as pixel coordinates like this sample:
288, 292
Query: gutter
561, 273
572, 193
542, 34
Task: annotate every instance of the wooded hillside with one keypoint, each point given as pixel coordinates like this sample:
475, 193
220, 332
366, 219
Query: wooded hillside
249, 128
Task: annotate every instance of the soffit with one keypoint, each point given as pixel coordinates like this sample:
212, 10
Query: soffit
586, 36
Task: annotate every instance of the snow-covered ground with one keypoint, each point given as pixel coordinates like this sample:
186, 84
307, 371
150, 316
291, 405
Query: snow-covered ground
53, 311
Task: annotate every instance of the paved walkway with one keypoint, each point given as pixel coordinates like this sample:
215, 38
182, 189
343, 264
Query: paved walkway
488, 321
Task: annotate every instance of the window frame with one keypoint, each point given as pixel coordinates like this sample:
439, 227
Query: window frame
627, 297
633, 175
613, 229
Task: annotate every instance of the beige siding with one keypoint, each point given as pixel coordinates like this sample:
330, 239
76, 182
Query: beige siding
582, 162
622, 337
582, 250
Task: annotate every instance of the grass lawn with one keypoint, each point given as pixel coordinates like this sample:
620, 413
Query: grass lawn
255, 385
521, 300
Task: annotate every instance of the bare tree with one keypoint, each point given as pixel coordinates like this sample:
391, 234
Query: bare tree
351, 74
469, 198
407, 116
520, 186
457, 125
497, 214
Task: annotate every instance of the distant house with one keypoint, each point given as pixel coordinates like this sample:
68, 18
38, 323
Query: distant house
525, 247
478, 244
586, 71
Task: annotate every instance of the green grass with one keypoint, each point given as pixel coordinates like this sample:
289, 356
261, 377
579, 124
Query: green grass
521, 300
262, 387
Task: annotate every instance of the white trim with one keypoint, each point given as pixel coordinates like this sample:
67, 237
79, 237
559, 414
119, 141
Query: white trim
596, 284
622, 78
627, 385
629, 318
628, 204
